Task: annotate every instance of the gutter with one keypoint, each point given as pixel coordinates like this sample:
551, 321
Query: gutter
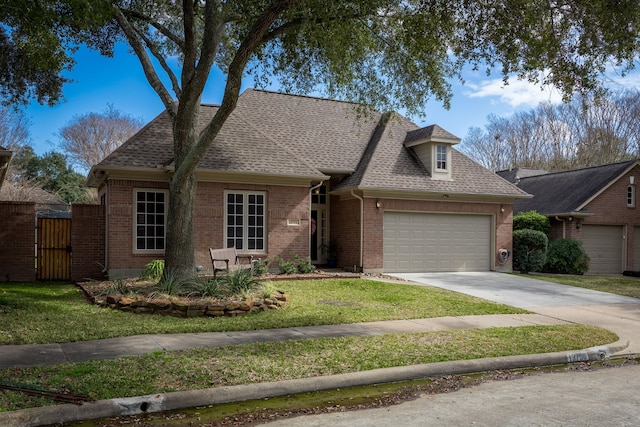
361, 227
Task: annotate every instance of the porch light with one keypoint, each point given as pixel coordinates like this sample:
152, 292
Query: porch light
378, 204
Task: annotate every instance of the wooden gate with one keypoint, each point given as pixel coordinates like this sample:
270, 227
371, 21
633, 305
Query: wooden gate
54, 249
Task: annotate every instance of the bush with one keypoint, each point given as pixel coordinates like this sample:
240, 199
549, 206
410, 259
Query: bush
286, 267
532, 220
566, 256
260, 266
529, 250
304, 265
153, 270
241, 281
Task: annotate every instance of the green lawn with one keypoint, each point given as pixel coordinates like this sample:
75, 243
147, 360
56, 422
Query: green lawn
44, 313
621, 285
52, 313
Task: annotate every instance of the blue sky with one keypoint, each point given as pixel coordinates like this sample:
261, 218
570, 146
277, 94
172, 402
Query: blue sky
119, 81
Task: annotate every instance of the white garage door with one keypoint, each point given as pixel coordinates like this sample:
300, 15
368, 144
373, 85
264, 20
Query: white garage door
603, 244
416, 242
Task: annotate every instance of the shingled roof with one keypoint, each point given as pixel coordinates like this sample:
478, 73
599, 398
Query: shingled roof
567, 192
298, 136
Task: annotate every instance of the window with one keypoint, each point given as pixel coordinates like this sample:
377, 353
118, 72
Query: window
441, 157
150, 220
245, 221
319, 195
631, 196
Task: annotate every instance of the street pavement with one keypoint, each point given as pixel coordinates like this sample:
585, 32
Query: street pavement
550, 304
605, 397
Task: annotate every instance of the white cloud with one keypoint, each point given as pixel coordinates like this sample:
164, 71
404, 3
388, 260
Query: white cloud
517, 93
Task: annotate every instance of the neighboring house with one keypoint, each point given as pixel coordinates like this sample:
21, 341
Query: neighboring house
46, 204
5, 158
288, 174
596, 205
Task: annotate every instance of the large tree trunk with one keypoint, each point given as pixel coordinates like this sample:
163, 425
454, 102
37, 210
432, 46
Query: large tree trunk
180, 259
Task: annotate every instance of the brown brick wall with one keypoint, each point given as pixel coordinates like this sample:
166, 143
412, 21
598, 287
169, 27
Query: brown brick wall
610, 207
282, 203
345, 226
87, 241
17, 241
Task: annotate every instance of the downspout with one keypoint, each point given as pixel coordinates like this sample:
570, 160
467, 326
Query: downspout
361, 227
563, 225
310, 209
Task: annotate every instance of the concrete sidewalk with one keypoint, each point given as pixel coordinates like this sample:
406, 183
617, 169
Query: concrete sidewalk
553, 305
20, 356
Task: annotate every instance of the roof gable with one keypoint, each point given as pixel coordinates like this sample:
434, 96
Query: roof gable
569, 191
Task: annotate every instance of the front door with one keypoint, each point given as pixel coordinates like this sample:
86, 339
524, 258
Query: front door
319, 225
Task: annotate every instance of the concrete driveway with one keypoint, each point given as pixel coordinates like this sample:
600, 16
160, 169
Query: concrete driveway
617, 313
514, 290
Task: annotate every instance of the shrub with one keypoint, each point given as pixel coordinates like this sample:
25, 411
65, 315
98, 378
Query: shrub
566, 256
153, 270
529, 250
260, 267
214, 288
532, 220
304, 265
241, 281
286, 267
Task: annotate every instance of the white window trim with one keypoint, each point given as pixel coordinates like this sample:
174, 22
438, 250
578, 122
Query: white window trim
245, 222
446, 157
135, 223
631, 201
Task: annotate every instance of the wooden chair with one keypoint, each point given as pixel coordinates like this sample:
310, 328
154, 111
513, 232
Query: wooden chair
228, 260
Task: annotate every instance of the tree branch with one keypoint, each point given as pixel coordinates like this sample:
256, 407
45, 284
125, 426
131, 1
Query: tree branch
161, 28
163, 63
147, 66
190, 48
252, 40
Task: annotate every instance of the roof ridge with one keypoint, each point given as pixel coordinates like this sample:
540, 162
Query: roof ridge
583, 169
317, 98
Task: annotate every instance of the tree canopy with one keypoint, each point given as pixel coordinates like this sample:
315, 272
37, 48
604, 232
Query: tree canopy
388, 54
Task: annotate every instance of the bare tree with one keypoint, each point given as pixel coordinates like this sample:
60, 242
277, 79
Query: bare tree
584, 132
89, 138
14, 128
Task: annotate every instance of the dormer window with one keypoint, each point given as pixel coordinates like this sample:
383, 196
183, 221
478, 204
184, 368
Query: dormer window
432, 146
441, 157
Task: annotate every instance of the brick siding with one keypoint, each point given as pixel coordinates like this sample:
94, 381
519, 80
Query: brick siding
87, 241
345, 227
610, 208
283, 203
17, 241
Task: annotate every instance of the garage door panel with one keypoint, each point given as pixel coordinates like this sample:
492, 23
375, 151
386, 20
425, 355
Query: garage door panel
604, 245
436, 242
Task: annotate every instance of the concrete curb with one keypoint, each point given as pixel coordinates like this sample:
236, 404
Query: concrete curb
68, 413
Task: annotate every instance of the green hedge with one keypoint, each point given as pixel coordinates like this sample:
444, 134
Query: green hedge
532, 220
566, 256
529, 250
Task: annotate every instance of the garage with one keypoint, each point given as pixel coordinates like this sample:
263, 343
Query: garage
604, 244
431, 242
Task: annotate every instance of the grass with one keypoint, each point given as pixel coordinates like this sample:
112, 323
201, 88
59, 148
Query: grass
205, 368
619, 285
52, 313
46, 313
